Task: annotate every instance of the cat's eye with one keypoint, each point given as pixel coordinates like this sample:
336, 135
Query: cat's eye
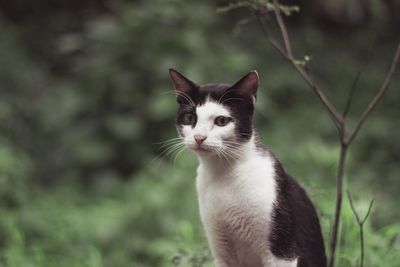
222, 120
188, 119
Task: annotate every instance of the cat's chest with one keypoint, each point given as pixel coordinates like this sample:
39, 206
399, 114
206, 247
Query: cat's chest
245, 195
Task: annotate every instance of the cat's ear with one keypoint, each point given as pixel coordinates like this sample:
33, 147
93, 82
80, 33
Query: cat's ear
183, 86
247, 86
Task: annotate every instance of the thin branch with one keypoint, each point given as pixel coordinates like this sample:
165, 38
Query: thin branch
283, 28
338, 204
352, 207
264, 27
261, 16
337, 118
371, 203
360, 224
351, 93
378, 96
357, 78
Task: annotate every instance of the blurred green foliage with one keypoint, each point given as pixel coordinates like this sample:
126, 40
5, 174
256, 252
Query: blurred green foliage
85, 99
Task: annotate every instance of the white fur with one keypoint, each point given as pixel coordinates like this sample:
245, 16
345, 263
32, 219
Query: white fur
235, 197
205, 126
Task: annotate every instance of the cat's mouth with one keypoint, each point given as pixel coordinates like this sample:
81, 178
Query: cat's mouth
202, 148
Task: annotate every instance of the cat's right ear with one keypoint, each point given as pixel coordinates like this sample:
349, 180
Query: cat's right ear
184, 87
247, 86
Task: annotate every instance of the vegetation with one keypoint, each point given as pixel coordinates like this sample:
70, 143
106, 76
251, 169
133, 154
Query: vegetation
86, 100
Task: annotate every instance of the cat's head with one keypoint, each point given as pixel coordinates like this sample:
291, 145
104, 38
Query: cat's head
215, 119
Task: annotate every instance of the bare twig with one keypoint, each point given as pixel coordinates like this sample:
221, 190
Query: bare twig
284, 31
288, 54
351, 93
357, 78
360, 224
378, 96
264, 27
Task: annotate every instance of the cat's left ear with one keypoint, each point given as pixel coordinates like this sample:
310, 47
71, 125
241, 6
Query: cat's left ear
247, 86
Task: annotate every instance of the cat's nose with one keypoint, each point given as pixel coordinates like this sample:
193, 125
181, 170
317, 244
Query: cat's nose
199, 138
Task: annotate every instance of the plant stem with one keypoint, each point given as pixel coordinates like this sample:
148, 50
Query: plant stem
339, 198
362, 245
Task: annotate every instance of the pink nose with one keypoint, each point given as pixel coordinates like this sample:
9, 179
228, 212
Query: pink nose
199, 139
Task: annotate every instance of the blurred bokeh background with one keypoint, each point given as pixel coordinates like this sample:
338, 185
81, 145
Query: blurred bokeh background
85, 100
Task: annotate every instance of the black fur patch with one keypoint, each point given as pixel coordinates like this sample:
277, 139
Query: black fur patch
295, 229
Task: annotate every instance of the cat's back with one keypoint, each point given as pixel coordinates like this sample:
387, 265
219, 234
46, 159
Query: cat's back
295, 231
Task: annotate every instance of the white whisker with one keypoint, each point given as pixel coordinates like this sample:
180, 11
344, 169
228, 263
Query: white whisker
186, 97
226, 92
170, 149
231, 98
182, 94
224, 155
177, 154
169, 140
170, 143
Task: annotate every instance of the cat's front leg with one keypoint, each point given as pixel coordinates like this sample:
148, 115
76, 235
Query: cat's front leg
225, 259
223, 251
221, 263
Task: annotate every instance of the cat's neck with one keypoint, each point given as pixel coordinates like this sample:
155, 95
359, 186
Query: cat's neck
218, 165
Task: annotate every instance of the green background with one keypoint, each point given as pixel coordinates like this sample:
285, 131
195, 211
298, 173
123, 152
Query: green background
85, 102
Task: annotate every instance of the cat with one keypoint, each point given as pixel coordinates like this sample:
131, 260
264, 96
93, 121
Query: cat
254, 214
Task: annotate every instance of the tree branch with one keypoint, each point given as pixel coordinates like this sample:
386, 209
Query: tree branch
283, 29
337, 118
357, 78
368, 212
264, 27
378, 96
360, 225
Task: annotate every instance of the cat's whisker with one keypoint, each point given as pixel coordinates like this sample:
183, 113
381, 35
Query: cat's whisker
233, 149
220, 152
231, 143
224, 94
234, 145
177, 154
182, 94
170, 150
186, 97
166, 147
232, 155
169, 92
231, 98
168, 140
172, 142
171, 145
222, 156
223, 151
165, 155
235, 152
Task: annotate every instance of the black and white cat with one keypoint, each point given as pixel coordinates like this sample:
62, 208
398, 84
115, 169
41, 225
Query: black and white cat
253, 212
